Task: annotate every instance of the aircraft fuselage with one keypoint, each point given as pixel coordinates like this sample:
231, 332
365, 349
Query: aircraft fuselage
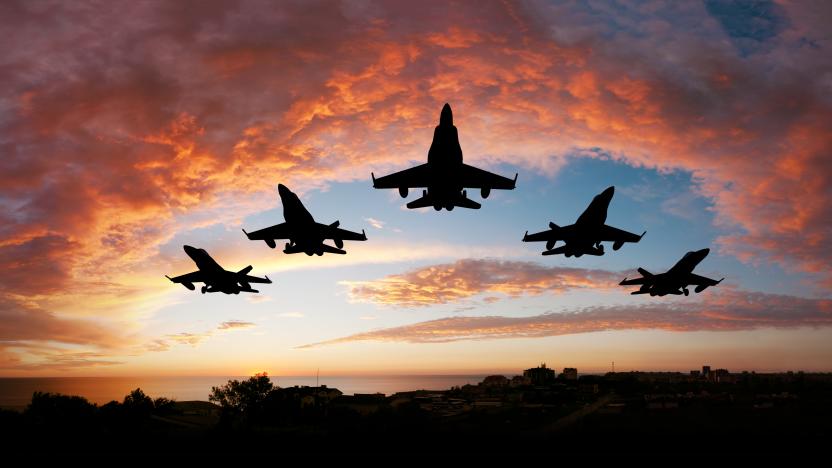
673, 281
306, 235
445, 158
585, 236
219, 279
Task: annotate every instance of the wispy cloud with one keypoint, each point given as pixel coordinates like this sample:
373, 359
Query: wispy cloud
724, 311
234, 324
194, 339
451, 282
375, 223
292, 315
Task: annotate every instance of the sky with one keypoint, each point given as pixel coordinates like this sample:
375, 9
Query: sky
130, 129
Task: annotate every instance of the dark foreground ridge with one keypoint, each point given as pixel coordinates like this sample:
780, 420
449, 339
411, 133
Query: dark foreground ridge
538, 413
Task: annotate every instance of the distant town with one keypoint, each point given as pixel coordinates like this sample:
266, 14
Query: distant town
618, 412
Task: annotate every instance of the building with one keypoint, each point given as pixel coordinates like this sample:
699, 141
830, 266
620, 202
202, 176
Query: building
495, 381
520, 381
569, 373
706, 372
540, 375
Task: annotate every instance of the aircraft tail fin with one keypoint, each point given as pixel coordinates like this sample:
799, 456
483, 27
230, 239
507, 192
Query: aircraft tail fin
245, 270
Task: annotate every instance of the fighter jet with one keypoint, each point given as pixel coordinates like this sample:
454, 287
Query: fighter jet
444, 176
214, 277
676, 280
585, 236
304, 234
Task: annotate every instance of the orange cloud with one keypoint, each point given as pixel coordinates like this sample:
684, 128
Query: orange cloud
161, 118
723, 311
451, 282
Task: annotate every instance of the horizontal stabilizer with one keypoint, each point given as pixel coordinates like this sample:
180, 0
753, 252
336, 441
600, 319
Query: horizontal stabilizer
466, 202
245, 270
422, 202
644, 272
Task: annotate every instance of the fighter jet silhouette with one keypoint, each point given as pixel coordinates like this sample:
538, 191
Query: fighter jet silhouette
676, 280
214, 277
585, 236
445, 175
304, 234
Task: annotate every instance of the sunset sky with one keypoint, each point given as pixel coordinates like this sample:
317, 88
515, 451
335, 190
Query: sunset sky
128, 129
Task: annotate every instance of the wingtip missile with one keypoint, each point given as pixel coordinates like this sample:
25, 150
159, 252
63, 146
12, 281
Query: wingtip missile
623, 281
168, 277
642, 235
515, 179
526, 236
244, 232
363, 234
374, 178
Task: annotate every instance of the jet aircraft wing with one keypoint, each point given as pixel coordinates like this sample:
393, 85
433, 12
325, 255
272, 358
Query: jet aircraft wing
693, 278
194, 277
255, 279
472, 177
278, 231
331, 232
541, 236
609, 233
419, 176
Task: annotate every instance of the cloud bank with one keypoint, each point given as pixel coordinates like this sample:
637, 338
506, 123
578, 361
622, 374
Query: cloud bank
451, 282
724, 311
127, 122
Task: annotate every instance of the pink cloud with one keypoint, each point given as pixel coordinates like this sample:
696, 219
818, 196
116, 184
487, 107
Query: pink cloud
729, 310
452, 282
119, 120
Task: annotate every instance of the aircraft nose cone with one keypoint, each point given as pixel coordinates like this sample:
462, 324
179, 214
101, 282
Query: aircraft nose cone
609, 192
189, 250
446, 117
282, 190
704, 252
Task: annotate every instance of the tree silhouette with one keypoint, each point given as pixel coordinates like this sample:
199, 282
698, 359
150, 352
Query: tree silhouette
137, 406
242, 395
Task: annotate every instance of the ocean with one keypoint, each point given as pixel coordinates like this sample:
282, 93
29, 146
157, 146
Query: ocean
16, 393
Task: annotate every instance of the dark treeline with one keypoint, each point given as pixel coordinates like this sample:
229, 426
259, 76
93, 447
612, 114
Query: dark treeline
623, 413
